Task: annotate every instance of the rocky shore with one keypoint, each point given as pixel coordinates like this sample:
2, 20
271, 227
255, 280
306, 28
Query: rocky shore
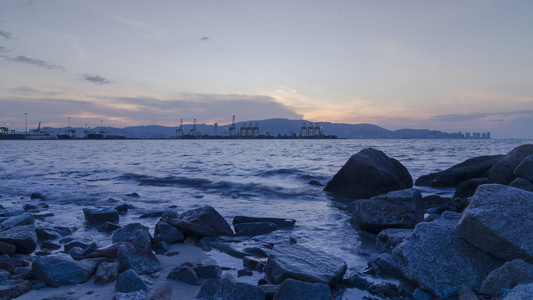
476, 245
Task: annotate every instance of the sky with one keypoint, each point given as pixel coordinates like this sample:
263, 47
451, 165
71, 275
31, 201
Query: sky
454, 65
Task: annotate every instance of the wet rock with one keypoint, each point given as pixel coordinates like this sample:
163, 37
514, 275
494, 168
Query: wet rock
201, 222
14, 288
503, 171
50, 246
111, 250
30, 208
19, 220
282, 223
107, 271
98, 216
476, 167
388, 239
169, 234
185, 274
522, 183
440, 261
108, 227
4, 275
316, 183
468, 188
466, 294
209, 271
75, 252
435, 200
63, 231
292, 289
8, 249
511, 274
151, 214
143, 261
525, 168
45, 234
61, 269
369, 173
252, 262
130, 281
78, 243
228, 289
305, 264
10, 212
384, 263
397, 209
520, 292
252, 229
134, 233
22, 237
164, 293
123, 208
495, 221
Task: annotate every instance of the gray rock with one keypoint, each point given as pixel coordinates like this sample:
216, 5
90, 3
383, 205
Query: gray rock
209, 271
19, 220
134, 233
522, 183
200, 222
84, 243
61, 269
305, 264
8, 249
4, 275
476, 167
108, 227
292, 289
388, 239
384, 263
503, 171
256, 228
520, 292
468, 188
228, 289
138, 295
440, 261
282, 223
107, 271
97, 216
164, 293
22, 237
65, 230
466, 294
369, 173
143, 261
130, 281
169, 234
397, 209
185, 274
525, 168
46, 234
496, 221
511, 274
10, 289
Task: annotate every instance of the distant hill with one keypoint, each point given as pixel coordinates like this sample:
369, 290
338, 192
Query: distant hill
274, 127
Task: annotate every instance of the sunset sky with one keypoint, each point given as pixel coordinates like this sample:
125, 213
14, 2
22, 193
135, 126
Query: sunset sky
442, 65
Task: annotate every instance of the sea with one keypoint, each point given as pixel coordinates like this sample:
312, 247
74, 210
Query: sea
258, 178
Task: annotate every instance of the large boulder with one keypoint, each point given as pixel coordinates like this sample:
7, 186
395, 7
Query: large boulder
499, 220
11, 289
468, 188
304, 264
476, 167
134, 233
143, 261
200, 222
525, 168
292, 289
168, 233
369, 173
503, 171
228, 289
511, 274
440, 261
61, 269
397, 209
522, 183
97, 216
130, 281
520, 292
23, 238
19, 220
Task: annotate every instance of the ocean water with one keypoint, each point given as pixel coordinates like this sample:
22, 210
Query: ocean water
237, 177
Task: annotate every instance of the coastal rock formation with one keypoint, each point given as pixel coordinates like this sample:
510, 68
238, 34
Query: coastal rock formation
143, 261
525, 168
468, 188
388, 239
522, 183
98, 216
503, 171
498, 221
23, 238
294, 289
305, 264
228, 288
200, 222
397, 209
256, 228
61, 269
476, 167
130, 281
440, 261
369, 173
19, 220
169, 234
280, 222
134, 233
511, 274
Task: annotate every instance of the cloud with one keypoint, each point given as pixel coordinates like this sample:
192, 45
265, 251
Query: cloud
5, 34
35, 62
96, 79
